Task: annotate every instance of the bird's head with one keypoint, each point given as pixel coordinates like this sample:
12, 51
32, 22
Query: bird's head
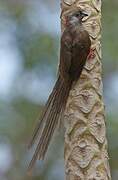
75, 16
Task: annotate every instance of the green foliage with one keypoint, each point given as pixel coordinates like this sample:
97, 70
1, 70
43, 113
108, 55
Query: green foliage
41, 48
110, 29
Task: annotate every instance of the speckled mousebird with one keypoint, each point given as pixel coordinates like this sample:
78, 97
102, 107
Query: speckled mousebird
75, 47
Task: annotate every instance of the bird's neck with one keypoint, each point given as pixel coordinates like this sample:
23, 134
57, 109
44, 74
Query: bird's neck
75, 26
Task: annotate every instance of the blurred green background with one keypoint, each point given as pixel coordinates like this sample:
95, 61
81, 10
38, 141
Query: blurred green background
29, 51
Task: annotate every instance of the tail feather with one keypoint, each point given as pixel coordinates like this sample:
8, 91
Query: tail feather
44, 115
50, 130
50, 118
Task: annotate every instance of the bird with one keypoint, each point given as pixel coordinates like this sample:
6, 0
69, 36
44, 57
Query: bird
75, 46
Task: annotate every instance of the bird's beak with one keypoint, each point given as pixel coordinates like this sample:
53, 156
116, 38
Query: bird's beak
84, 14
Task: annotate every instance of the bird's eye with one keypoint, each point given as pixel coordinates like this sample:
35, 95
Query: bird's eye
77, 15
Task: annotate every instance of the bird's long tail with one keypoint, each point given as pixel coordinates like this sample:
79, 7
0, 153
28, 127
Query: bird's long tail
50, 118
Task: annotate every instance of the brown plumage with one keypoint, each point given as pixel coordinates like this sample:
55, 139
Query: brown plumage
75, 47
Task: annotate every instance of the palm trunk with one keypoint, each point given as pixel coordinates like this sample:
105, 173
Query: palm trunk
86, 156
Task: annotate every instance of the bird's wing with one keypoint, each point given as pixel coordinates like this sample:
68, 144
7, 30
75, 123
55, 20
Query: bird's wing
80, 50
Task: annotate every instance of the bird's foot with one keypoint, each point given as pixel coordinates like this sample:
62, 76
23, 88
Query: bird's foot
91, 54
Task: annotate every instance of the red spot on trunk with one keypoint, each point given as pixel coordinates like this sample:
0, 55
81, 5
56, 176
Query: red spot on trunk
91, 54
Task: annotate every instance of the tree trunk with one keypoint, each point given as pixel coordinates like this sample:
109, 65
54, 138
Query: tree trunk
86, 156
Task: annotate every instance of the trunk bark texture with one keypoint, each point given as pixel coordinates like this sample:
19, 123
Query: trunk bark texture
86, 156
